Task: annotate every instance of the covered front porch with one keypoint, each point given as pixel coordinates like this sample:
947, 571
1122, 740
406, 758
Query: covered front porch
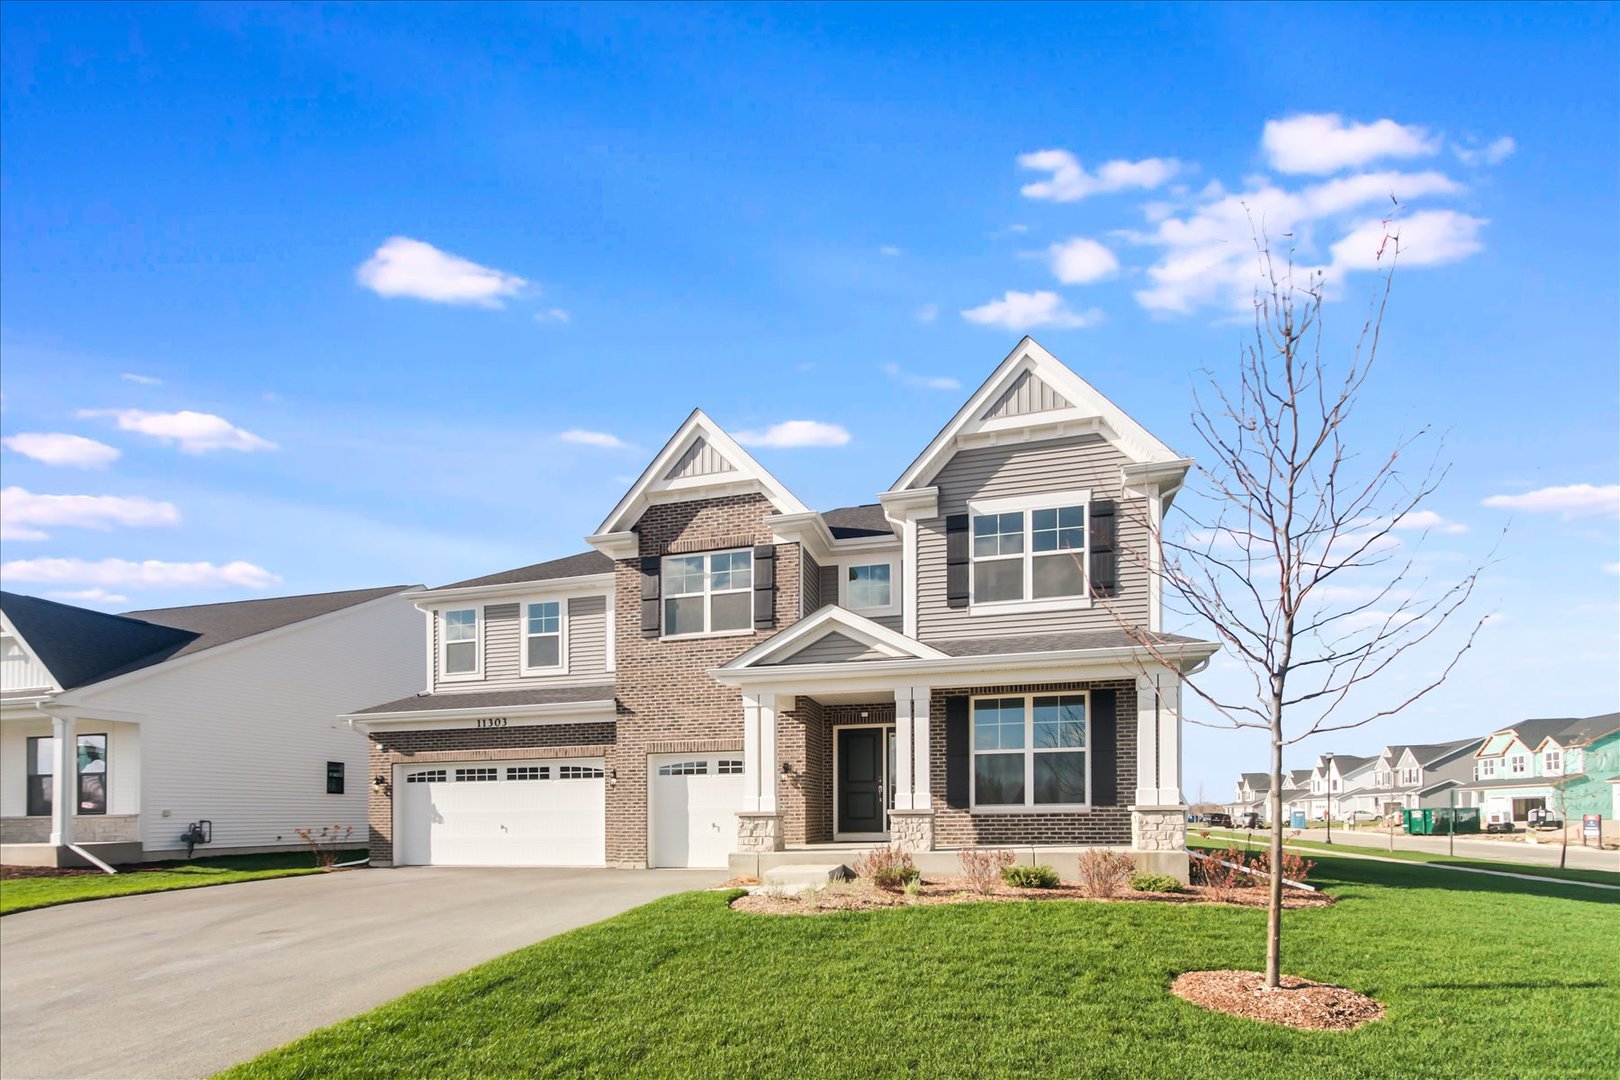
71, 787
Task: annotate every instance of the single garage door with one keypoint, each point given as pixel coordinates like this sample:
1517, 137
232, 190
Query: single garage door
692, 808
502, 813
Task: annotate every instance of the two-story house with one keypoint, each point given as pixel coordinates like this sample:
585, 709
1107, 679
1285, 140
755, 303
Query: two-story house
729, 677
1416, 776
1529, 766
1253, 796
1334, 783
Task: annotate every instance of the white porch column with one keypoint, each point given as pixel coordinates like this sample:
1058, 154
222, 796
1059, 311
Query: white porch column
759, 753
911, 822
904, 748
64, 778
1170, 740
1147, 736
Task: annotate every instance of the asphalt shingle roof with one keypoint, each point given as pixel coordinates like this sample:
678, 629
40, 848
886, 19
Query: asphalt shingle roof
216, 624
495, 699
80, 646
585, 564
1059, 642
850, 522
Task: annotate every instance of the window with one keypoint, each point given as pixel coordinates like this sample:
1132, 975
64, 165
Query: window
460, 642
92, 778
528, 772
334, 777
426, 776
708, 594
684, 768
1030, 554
542, 636
1518, 764
470, 776
729, 767
1552, 762
578, 772
1410, 776
1029, 751
870, 587
1487, 768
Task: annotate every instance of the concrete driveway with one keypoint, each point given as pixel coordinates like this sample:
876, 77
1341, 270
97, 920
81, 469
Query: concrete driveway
183, 984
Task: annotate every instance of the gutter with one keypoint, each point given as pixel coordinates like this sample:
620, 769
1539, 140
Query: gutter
1066, 660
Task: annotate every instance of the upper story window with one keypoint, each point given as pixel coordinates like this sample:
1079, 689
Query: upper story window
872, 588
1030, 752
708, 594
1518, 764
459, 643
1032, 553
542, 637
1552, 762
1411, 776
1487, 768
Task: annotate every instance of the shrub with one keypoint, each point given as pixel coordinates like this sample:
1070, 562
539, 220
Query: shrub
1222, 873
887, 867
326, 843
1155, 883
1295, 867
1104, 873
1030, 877
983, 866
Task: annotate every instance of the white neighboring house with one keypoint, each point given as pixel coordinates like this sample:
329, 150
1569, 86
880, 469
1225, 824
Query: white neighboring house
1335, 783
119, 731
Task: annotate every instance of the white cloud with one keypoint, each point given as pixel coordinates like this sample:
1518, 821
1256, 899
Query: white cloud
927, 313
552, 315
1427, 238
926, 382
406, 267
1070, 182
1494, 152
593, 438
58, 448
1429, 520
193, 432
794, 433
144, 380
889, 250
25, 515
92, 596
1027, 310
1321, 143
1571, 500
151, 574
1078, 261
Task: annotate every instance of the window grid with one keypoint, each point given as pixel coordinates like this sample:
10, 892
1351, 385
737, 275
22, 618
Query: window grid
1035, 554
460, 642
684, 768
1026, 750
470, 776
542, 636
578, 772
528, 772
708, 594
730, 767
427, 776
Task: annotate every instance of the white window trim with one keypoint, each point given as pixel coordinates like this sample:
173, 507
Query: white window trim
708, 595
1027, 504
895, 584
559, 668
1519, 765
477, 673
1029, 752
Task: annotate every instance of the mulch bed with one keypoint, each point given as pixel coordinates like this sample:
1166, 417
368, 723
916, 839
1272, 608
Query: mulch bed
1300, 1003
863, 896
9, 872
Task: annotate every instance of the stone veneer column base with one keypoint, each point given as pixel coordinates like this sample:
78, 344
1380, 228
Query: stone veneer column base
912, 830
1159, 828
759, 831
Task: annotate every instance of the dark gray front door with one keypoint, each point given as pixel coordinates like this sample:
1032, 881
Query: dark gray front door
860, 780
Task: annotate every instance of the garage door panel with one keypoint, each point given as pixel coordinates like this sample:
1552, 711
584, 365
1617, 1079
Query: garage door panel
693, 802
509, 814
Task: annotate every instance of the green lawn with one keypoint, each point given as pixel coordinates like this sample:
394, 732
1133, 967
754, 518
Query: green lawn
1482, 977
1257, 841
24, 894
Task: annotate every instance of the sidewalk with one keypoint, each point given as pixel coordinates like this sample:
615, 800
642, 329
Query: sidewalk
1508, 849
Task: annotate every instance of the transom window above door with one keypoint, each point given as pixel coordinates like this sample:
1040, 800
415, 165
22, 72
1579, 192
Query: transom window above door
708, 594
1033, 553
542, 637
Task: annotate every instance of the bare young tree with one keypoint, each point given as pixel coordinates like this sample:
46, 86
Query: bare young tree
1289, 552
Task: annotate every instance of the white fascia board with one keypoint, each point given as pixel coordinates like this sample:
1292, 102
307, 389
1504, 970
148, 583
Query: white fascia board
554, 713
913, 504
810, 532
92, 712
616, 545
583, 585
76, 696
1164, 477
24, 708
833, 619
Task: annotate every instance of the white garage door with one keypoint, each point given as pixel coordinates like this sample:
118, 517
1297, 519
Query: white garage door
692, 808
502, 813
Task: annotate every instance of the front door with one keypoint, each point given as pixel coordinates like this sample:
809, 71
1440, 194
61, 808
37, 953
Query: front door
862, 789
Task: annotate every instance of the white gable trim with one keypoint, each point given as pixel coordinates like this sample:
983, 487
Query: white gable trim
829, 620
1089, 411
652, 485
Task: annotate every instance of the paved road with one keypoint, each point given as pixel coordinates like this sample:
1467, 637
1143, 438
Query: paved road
1512, 850
183, 984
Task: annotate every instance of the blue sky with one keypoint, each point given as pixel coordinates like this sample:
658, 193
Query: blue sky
335, 282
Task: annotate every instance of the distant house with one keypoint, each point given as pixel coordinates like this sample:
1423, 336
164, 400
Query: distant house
1416, 776
1568, 765
1253, 795
1296, 792
118, 731
1335, 784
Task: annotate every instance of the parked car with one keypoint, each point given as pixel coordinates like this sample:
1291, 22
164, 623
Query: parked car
1499, 826
1251, 820
1223, 820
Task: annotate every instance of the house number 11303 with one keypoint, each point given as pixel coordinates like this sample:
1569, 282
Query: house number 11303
491, 721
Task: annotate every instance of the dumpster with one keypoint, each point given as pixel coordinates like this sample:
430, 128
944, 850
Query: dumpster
1418, 822
1442, 821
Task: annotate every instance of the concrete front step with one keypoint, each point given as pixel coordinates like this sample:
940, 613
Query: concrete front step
797, 877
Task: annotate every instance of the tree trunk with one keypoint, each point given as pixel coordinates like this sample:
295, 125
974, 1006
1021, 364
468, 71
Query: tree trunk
1274, 907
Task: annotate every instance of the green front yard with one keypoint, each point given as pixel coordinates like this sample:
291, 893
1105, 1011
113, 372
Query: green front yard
1257, 841
1481, 976
24, 894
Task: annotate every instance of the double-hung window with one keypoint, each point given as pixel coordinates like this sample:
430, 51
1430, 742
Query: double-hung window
708, 594
91, 779
871, 587
542, 637
1029, 752
1518, 764
1487, 768
1034, 553
1552, 762
459, 649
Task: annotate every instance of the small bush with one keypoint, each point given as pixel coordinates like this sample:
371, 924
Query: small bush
326, 843
887, 867
983, 866
1104, 873
1223, 872
1155, 883
1030, 877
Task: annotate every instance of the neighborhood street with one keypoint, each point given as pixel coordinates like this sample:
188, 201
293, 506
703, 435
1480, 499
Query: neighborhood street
184, 984
1504, 850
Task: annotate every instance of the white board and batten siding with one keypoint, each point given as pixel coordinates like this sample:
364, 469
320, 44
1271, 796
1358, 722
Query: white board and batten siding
1083, 463
502, 628
241, 735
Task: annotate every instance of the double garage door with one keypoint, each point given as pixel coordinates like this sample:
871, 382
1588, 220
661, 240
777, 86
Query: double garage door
502, 813
553, 813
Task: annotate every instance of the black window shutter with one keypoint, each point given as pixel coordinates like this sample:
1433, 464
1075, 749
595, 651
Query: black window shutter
651, 608
764, 587
958, 758
1104, 554
1104, 748
957, 559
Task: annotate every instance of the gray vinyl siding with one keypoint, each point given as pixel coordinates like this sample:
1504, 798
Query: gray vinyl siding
1028, 394
1081, 462
503, 644
830, 594
834, 648
829, 585
896, 623
700, 459
810, 586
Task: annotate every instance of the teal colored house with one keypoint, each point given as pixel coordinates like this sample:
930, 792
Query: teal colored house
1568, 765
